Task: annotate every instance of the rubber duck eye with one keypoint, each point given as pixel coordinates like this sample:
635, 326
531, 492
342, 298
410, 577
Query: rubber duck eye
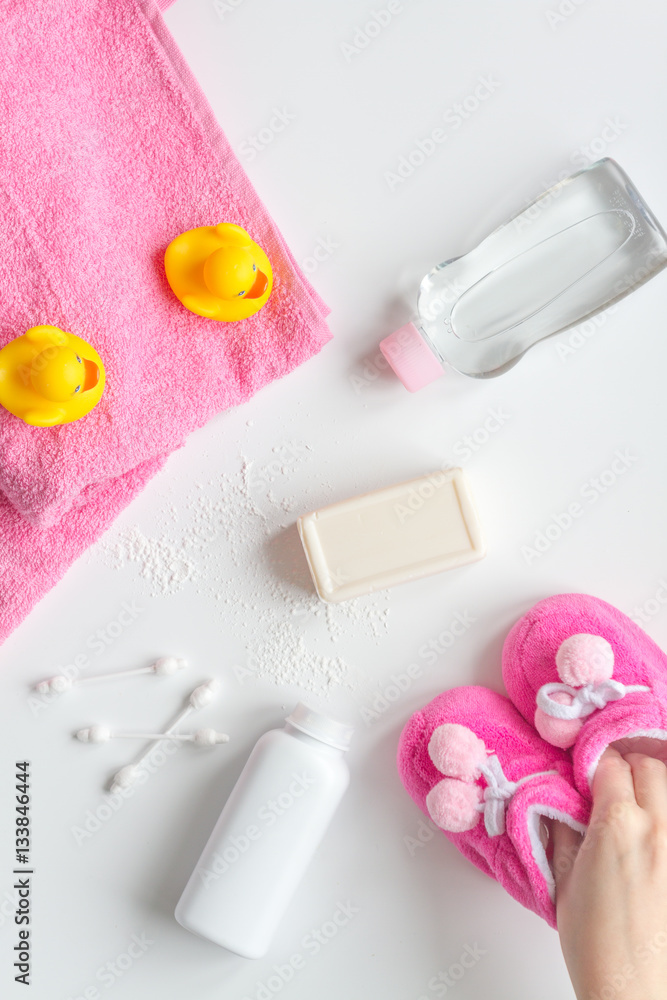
78, 389
78, 359
241, 293
254, 267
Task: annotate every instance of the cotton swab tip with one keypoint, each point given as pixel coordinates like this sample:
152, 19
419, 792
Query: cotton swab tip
205, 693
94, 734
57, 684
209, 738
60, 684
167, 666
124, 778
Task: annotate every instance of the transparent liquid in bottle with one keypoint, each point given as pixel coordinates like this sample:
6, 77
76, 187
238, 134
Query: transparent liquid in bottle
584, 244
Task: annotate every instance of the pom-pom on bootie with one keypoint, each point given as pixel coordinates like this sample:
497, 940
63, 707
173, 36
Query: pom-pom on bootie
586, 676
487, 779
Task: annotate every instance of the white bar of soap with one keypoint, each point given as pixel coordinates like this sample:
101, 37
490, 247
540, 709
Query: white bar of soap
393, 535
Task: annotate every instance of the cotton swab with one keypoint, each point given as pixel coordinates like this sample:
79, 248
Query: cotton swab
166, 666
201, 696
201, 737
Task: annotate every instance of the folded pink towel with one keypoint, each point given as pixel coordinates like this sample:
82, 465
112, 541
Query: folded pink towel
108, 150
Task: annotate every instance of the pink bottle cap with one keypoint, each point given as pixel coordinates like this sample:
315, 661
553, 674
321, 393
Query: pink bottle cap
411, 358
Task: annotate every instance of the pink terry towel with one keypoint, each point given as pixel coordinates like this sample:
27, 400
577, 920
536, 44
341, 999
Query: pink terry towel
108, 150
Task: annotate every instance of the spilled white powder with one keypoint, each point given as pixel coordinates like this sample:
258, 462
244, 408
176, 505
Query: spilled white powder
236, 542
161, 562
283, 655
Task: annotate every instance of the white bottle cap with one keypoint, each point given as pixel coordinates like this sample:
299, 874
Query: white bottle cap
321, 727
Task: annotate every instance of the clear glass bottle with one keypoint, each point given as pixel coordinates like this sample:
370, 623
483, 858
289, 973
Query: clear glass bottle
267, 833
582, 245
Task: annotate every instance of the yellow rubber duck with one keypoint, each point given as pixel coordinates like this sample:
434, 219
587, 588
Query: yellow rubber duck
218, 272
49, 377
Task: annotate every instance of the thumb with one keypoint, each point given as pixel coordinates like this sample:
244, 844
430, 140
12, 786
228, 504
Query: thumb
566, 845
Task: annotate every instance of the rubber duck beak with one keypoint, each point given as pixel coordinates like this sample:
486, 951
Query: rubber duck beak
259, 287
92, 374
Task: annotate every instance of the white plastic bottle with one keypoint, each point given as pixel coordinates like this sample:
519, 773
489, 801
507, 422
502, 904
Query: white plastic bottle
267, 833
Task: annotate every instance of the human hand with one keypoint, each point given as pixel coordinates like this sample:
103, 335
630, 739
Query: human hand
611, 886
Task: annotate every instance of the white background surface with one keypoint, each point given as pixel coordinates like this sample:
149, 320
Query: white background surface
350, 429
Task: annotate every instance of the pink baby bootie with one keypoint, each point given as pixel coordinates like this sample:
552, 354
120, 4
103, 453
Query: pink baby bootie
485, 777
585, 675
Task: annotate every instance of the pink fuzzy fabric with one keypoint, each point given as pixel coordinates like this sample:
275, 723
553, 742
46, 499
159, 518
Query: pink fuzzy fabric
109, 150
452, 804
456, 751
509, 856
584, 659
560, 732
529, 661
